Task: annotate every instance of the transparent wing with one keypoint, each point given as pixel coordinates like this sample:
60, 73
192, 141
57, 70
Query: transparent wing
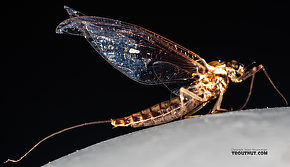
172, 76
73, 13
133, 50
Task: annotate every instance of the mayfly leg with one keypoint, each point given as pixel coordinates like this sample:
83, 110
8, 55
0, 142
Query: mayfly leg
191, 113
186, 95
251, 73
217, 106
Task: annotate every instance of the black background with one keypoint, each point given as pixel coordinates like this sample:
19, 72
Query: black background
50, 81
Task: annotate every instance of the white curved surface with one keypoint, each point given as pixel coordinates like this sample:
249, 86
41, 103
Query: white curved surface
203, 141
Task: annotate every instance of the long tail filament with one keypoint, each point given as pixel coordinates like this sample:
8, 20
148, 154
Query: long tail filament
53, 134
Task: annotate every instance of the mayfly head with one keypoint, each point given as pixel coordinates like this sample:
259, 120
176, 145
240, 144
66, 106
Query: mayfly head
235, 70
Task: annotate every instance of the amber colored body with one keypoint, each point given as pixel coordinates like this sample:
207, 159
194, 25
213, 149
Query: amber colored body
205, 88
158, 114
151, 59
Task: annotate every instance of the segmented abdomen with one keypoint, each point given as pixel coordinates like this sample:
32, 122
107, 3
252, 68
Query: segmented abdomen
158, 114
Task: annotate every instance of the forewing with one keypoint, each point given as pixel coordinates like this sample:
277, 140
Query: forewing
172, 76
132, 49
73, 13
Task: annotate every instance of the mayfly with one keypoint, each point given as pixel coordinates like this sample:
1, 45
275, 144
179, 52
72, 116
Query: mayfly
151, 59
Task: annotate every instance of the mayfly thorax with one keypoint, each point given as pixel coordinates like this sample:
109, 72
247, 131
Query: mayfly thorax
151, 59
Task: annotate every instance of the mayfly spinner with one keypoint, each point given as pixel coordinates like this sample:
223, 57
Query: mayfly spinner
151, 59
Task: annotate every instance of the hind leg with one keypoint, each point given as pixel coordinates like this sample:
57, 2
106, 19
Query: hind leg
191, 113
186, 95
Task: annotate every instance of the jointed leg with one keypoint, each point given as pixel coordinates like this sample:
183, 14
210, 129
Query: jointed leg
191, 113
217, 106
184, 92
186, 95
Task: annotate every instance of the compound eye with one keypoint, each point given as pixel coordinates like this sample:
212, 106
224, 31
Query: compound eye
235, 65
